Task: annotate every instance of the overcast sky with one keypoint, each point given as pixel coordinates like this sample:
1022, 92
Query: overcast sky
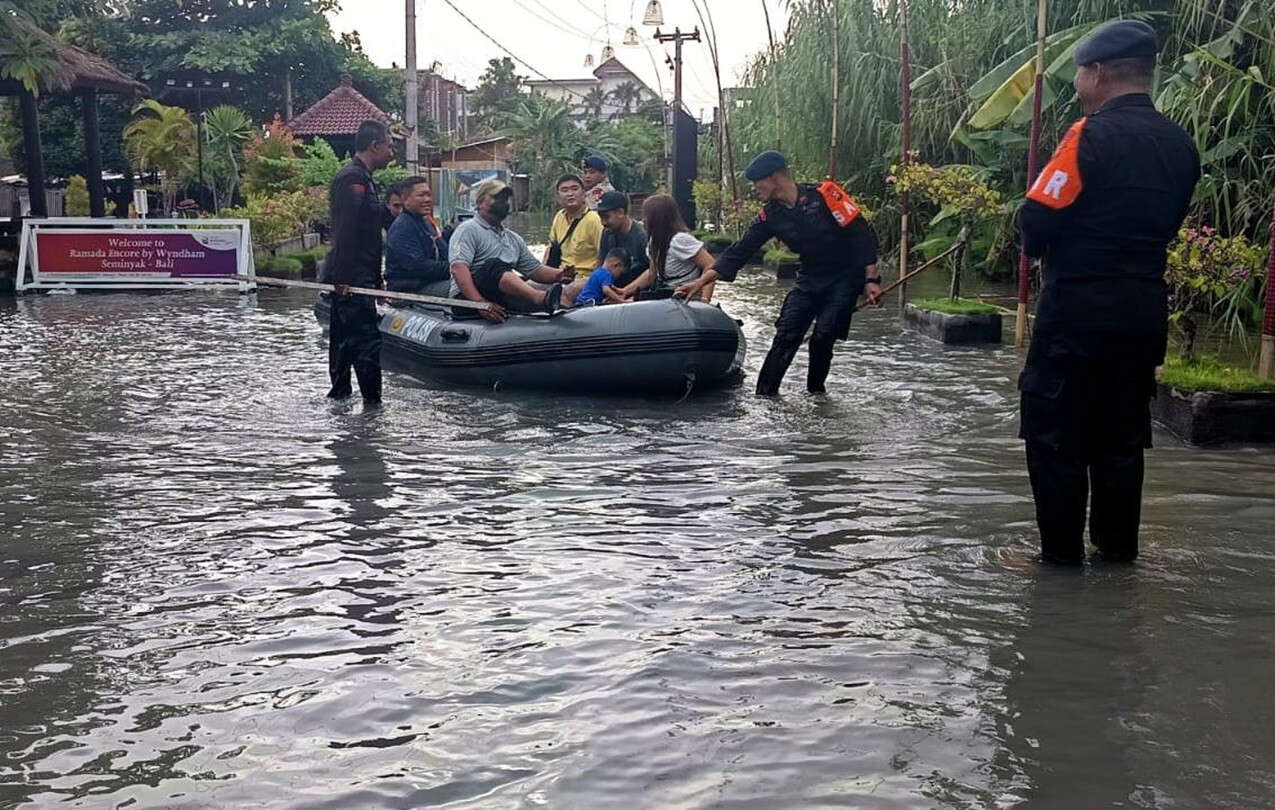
553, 36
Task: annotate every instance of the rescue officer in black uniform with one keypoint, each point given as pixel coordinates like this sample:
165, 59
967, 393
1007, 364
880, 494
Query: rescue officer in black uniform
354, 260
1100, 217
838, 264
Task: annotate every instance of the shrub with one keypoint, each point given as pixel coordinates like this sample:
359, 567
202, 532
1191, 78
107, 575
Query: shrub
275, 218
1209, 272
270, 162
77, 196
285, 266
306, 258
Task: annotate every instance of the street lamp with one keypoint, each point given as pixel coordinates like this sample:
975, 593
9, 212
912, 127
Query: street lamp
588, 60
654, 14
631, 37
608, 52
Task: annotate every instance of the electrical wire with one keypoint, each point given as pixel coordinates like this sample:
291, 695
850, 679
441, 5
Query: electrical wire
559, 23
510, 53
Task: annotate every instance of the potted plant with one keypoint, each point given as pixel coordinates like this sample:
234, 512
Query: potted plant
1215, 287
959, 195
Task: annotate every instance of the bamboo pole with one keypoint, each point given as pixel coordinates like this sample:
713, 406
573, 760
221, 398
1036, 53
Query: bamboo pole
1033, 166
836, 89
904, 198
906, 277
774, 68
1266, 363
460, 303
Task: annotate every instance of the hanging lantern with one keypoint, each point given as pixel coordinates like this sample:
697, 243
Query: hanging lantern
608, 52
631, 37
588, 60
654, 14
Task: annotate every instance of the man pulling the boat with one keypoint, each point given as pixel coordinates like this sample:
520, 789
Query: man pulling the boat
838, 250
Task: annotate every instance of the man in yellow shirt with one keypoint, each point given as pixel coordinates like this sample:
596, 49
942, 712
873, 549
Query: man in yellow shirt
576, 231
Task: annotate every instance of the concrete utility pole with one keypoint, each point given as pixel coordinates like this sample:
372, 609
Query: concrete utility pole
677, 38
413, 145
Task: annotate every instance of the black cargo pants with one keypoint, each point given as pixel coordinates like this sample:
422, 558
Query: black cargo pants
826, 301
1086, 419
354, 340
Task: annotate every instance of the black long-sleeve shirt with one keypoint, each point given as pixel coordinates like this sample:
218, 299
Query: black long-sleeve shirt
358, 218
809, 230
1101, 216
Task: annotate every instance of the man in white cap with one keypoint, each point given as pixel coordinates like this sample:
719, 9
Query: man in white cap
491, 264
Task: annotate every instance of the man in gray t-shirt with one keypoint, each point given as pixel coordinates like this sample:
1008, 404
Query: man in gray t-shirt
491, 264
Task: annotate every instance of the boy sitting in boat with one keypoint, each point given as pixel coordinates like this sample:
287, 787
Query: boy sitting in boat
599, 287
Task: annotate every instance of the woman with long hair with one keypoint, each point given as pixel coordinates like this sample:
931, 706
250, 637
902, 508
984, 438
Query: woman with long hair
676, 256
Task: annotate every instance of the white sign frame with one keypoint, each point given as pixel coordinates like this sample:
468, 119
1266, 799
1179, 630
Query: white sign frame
244, 281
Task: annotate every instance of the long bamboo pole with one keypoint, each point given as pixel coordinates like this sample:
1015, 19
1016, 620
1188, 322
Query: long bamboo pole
459, 303
774, 69
1033, 166
1266, 363
904, 198
836, 89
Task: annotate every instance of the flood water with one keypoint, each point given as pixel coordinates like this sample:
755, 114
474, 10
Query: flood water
219, 590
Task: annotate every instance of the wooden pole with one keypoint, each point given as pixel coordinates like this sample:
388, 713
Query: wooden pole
836, 90
93, 155
1266, 363
1033, 161
460, 303
33, 152
904, 199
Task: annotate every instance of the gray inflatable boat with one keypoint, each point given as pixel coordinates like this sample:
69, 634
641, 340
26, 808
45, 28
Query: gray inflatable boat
642, 347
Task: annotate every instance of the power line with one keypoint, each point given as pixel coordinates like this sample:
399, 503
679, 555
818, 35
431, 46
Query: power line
511, 54
559, 22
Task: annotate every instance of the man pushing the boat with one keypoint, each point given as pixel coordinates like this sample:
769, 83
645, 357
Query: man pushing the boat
491, 264
838, 250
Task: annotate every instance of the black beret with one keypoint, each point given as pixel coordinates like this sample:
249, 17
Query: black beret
612, 200
1122, 39
764, 165
594, 162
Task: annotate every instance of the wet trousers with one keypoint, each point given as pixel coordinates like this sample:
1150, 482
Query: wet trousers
354, 341
828, 303
1087, 422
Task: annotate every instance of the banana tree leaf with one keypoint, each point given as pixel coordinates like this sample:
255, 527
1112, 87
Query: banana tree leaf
929, 77
998, 75
1001, 103
1012, 101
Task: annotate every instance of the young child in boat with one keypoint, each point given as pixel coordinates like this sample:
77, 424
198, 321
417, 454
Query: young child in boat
599, 287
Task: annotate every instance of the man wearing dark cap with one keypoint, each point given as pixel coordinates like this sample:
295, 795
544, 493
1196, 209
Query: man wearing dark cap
838, 264
358, 217
1100, 217
594, 173
620, 231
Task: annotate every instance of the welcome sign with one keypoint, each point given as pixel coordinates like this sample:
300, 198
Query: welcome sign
129, 253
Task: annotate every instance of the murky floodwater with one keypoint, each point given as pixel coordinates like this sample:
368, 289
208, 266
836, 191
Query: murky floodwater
219, 590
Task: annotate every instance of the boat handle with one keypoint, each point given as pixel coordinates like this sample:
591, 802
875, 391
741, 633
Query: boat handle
454, 334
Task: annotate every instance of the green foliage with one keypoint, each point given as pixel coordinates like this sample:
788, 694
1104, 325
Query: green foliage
1209, 374
633, 148
26, 55
955, 190
319, 164
1210, 273
958, 306
388, 175
226, 130
162, 138
270, 162
497, 95
285, 266
714, 240
279, 217
77, 196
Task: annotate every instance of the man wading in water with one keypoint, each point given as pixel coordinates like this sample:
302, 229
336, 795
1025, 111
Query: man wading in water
838, 250
355, 261
1101, 215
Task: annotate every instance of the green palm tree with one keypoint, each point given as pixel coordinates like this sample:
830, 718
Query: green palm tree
227, 129
545, 139
162, 138
593, 101
626, 95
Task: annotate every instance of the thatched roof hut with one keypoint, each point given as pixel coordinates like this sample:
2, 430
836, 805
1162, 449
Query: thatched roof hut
70, 70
